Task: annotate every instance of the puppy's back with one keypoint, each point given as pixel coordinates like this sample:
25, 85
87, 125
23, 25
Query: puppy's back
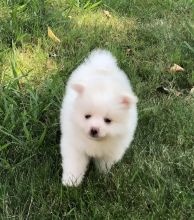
101, 60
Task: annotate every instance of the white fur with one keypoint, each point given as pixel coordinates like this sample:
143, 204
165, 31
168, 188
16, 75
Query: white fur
98, 88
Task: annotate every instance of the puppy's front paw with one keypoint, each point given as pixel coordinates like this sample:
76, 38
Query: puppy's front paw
70, 180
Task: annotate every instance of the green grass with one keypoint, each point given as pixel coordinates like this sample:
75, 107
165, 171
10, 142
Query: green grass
155, 180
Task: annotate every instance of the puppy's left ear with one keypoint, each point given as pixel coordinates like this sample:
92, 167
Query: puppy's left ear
128, 100
79, 88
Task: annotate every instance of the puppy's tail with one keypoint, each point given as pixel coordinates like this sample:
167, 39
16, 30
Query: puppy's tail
102, 60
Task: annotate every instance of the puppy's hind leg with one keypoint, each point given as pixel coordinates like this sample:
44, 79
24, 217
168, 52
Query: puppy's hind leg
104, 164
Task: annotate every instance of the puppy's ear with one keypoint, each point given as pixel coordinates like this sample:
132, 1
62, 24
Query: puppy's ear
79, 88
128, 100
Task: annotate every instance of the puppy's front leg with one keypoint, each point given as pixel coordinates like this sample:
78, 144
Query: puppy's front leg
74, 167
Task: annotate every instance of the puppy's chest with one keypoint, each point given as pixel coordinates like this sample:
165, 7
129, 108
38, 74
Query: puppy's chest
100, 149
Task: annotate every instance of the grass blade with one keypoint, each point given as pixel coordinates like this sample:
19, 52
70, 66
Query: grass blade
9, 135
3, 147
42, 137
189, 46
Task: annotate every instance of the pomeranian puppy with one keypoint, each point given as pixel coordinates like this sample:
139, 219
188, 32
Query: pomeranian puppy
98, 117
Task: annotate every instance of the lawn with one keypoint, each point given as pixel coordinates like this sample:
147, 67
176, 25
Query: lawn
155, 179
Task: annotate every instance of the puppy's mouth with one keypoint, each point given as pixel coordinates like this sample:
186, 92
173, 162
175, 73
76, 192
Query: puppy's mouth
97, 138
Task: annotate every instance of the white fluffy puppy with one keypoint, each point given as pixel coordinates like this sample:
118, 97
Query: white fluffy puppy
98, 117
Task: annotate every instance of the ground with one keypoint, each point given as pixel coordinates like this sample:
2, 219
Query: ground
155, 179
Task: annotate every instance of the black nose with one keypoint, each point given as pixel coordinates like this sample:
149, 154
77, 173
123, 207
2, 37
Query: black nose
94, 132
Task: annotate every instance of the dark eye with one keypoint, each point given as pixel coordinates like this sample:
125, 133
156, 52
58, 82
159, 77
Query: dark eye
87, 116
107, 120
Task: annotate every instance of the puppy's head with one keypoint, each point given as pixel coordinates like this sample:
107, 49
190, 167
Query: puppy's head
100, 113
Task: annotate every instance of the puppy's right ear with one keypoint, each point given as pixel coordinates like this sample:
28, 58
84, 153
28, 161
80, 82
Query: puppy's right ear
79, 88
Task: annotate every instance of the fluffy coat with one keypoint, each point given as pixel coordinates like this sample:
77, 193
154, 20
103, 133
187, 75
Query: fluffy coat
98, 117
